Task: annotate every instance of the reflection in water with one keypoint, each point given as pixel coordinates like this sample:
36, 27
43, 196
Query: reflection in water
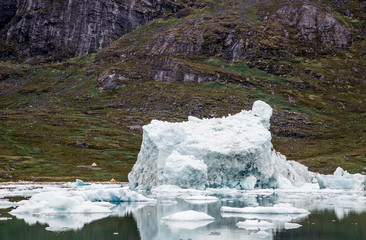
334, 215
104, 229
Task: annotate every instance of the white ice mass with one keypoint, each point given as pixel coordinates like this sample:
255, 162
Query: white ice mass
342, 180
233, 151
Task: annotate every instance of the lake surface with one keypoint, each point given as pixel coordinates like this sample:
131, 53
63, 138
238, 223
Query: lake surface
334, 215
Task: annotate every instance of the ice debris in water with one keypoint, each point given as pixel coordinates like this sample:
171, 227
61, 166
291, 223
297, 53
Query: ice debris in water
188, 216
342, 180
255, 225
66, 201
283, 208
187, 219
233, 151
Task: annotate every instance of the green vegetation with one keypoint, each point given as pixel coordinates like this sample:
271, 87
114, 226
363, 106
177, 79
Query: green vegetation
58, 118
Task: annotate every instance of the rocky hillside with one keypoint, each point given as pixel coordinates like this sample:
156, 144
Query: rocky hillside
78, 79
63, 29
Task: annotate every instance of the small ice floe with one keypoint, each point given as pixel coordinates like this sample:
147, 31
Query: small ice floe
4, 203
187, 219
201, 199
5, 218
81, 183
341, 179
169, 191
283, 208
115, 195
255, 225
289, 225
60, 202
77, 183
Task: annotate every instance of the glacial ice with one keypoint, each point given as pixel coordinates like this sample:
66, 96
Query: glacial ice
342, 180
201, 199
288, 225
255, 225
89, 199
233, 151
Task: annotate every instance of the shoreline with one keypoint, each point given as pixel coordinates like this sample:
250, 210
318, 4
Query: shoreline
58, 183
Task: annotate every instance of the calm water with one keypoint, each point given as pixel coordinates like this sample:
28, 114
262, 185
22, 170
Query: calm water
143, 222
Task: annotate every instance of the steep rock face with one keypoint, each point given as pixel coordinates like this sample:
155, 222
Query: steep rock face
71, 28
313, 24
7, 11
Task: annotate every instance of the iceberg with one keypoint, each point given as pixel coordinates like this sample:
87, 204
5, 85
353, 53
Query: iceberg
341, 179
233, 151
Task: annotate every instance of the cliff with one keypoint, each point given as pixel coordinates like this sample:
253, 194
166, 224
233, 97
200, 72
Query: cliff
68, 28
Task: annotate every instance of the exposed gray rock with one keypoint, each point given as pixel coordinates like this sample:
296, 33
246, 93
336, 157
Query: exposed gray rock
7, 12
68, 28
312, 23
110, 81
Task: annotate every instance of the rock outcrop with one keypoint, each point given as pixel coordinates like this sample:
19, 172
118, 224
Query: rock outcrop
313, 24
7, 12
71, 28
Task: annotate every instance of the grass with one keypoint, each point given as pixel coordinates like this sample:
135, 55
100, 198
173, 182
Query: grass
54, 117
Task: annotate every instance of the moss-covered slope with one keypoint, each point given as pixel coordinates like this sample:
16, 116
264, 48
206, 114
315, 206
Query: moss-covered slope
306, 59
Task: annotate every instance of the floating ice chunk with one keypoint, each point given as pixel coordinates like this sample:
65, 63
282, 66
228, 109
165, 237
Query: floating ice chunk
170, 191
86, 201
60, 202
233, 151
4, 203
115, 195
255, 225
81, 183
201, 199
188, 216
342, 180
289, 225
77, 183
282, 208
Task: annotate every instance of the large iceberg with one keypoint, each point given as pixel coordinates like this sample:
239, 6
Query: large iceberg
233, 151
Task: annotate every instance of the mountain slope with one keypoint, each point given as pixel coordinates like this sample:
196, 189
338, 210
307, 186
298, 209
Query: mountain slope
306, 59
